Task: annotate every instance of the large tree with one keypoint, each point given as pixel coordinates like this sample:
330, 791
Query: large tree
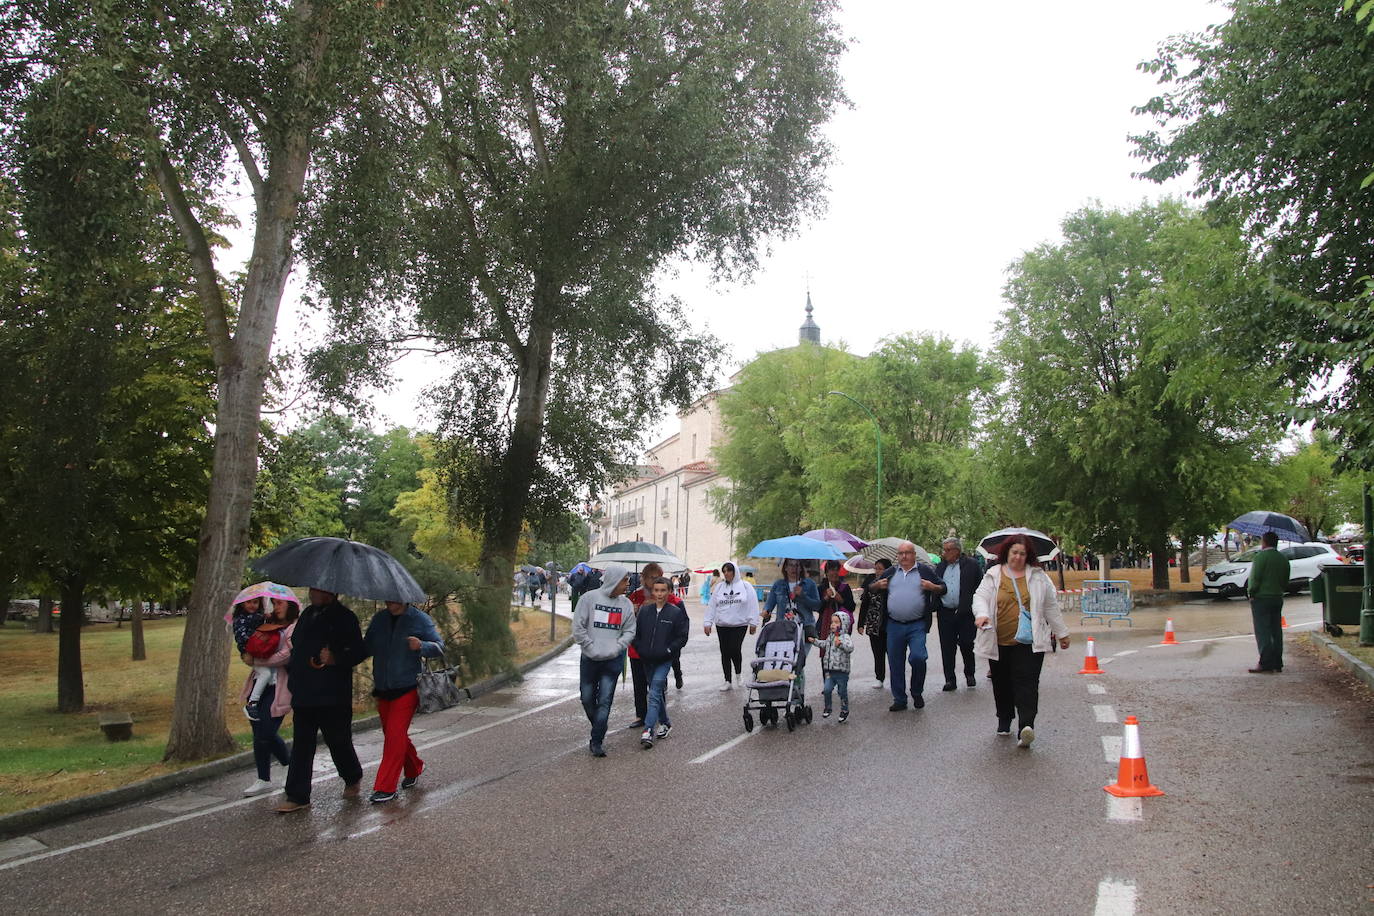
105, 414
512, 200
1128, 418
213, 93
1273, 111
764, 454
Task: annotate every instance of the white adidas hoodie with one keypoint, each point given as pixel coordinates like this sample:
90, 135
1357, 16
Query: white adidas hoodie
733, 604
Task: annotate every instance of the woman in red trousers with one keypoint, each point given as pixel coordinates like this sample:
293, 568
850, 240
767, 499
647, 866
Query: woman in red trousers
398, 638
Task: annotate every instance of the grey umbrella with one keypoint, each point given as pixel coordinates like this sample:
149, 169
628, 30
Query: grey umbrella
343, 567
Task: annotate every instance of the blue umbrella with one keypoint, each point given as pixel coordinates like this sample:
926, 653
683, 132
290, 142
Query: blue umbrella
1258, 522
796, 547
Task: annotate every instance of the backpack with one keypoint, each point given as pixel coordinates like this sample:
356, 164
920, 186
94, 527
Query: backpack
264, 641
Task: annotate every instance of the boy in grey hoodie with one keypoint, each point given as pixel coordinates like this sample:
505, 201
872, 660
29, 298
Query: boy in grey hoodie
603, 625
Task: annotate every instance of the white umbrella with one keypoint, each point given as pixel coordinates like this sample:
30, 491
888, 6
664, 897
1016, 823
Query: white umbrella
886, 549
1045, 547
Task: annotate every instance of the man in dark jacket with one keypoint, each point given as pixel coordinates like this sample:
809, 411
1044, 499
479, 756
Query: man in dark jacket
325, 647
959, 577
661, 630
397, 638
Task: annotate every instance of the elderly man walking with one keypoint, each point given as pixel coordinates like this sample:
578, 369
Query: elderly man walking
909, 587
959, 577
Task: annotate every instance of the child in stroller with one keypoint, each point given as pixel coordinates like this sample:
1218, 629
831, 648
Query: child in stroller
777, 683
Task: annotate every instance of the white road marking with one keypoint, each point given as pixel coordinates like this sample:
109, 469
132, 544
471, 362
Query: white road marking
1115, 898
1295, 626
1125, 810
723, 748
1095, 687
257, 799
1106, 661
1111, 748
1105, 713
1125, 652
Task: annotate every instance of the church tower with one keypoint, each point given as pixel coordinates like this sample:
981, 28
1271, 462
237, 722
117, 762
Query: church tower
810, 331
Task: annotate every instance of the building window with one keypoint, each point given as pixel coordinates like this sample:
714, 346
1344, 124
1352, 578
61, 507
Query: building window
694, 446
665, 539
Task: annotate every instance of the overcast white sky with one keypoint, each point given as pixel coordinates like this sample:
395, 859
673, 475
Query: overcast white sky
974, 130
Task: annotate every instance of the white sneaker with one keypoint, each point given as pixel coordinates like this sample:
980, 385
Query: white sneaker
879, 685
259, 786
726, 686
1027, 736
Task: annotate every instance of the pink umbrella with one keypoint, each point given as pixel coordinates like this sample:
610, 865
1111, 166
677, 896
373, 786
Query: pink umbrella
261, 590
837, 536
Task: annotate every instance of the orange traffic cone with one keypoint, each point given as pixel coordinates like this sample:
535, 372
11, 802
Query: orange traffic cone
1283, 622
1132, 781
1169, 639
1090, 660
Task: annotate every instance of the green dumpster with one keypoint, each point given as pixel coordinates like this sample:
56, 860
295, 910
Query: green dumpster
1342, 589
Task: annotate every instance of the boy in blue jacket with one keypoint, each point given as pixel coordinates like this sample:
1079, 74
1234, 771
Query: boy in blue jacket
661, 630
397, 638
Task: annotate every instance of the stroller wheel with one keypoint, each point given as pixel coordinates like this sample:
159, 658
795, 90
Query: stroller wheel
791, 722
808, 715
748, 722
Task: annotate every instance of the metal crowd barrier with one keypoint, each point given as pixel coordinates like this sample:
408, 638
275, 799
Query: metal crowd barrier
1107, 599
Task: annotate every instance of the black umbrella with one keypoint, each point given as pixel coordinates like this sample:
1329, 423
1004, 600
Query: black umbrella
343, 567
530, 568
1258, 522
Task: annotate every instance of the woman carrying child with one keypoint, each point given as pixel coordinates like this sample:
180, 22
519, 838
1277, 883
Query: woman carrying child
267, 680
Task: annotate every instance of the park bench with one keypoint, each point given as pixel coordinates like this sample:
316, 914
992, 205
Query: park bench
1107, 599
117, 726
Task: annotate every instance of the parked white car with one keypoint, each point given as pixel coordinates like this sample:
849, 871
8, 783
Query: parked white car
1305, 561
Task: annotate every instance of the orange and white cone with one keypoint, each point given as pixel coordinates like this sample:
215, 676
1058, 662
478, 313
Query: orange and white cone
1132, 780
1169, 639
1283, 622
1090, 660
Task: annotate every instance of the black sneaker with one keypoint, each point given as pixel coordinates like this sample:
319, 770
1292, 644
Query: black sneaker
380, 797
598, 750
825, 714
1004, 729
949, 685
637, 723
844, 714
918, 701
250, 709
896, 707
646, 739
679, 682
410, 781
971, 681
664, 730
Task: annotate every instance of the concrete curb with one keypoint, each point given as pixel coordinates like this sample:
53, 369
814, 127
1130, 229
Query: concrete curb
21, 822
1324, 645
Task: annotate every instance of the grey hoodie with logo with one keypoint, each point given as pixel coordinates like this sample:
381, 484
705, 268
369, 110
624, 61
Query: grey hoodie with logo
602, 625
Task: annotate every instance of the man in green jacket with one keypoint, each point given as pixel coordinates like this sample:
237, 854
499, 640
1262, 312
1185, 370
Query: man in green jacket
1267, 585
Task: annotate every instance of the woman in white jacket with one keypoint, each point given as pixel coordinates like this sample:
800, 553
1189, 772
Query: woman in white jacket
732, 609
1016, 610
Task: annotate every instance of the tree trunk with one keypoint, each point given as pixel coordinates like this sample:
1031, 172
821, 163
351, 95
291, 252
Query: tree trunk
5, 594
44, 624
1226, 543
71, 691
1184, 574
1159, 565
1206, 546
493, 647
1104, 566
140, 652
198, 729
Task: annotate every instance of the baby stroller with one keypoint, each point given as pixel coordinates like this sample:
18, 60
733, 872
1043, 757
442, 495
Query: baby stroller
775, 684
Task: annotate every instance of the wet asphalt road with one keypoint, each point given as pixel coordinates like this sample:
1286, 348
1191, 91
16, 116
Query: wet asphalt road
1269, 782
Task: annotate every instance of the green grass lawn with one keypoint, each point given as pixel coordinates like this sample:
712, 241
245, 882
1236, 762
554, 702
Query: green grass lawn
46, 756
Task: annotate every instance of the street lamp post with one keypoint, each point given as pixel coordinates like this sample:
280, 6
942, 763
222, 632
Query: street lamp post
878, 441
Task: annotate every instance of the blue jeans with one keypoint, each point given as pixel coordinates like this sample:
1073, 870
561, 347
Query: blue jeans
658, 686
837, 680
598, 690
266, 742
907, 639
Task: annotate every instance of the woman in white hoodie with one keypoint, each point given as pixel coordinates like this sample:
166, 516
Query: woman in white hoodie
732, 609
1016, 611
